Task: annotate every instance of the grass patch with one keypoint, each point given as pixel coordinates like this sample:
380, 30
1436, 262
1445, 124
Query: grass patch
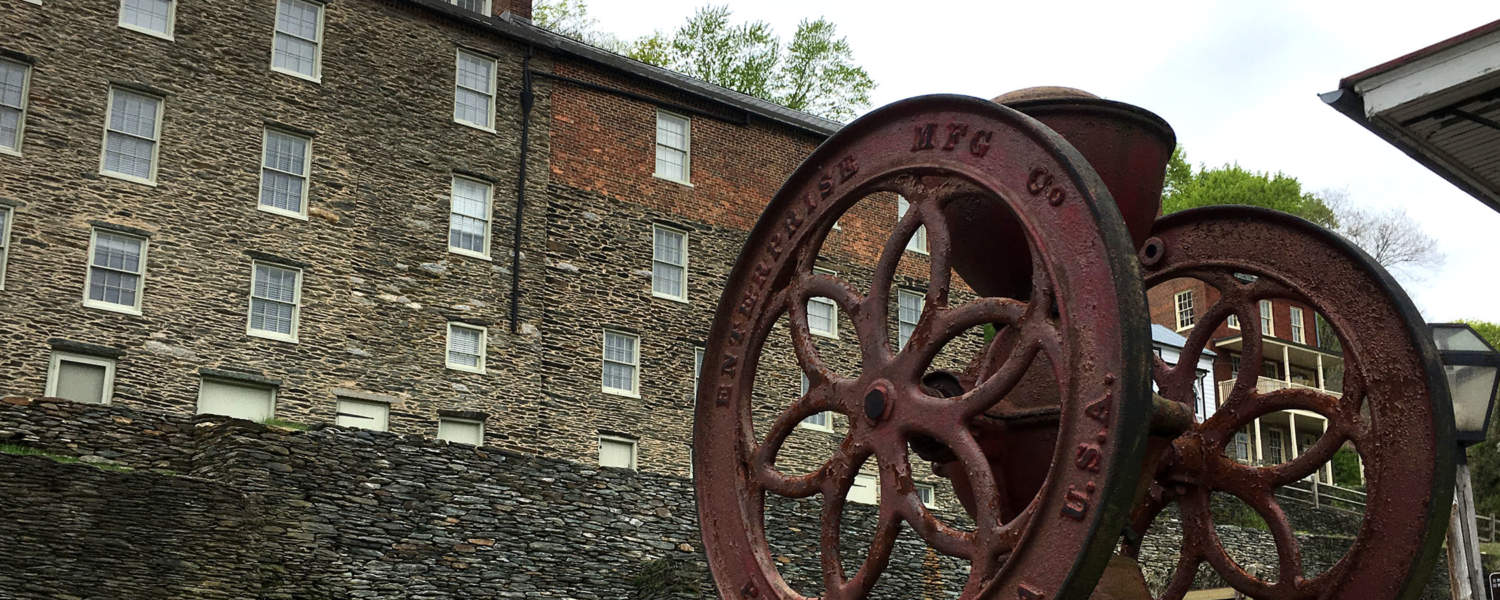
19, 450
285, 424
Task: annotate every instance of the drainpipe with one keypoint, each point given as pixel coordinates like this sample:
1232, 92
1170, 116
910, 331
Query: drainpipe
515, 240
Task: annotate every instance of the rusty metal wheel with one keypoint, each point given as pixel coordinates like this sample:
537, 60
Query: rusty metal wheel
1077, 308
1394, 407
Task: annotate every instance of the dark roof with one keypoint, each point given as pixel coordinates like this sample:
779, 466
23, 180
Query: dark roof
521, 29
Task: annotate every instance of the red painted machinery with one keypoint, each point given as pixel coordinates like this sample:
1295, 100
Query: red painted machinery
1064, 435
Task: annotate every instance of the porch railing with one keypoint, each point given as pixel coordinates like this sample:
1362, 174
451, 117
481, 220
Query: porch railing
1267, 384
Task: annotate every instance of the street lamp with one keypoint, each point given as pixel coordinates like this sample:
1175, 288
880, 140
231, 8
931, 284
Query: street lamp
1473, 369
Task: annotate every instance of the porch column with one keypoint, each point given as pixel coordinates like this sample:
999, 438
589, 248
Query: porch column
1328, 466
1320, 374
1291, 419
1260, 456
1286, 365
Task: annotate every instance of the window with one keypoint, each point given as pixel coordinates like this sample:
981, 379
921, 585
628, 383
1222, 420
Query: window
1185, 314
823, 313
697, 367
818, 421
1297, 332
469, 217
927, 494
130, 136
152, 17
1240, 449
616, 452
866, 490
236, 399
908, 311
283, 173
461, 431
474, 94
275, 294
621, 360
299, 32
918, 241
466, 345
117, 270
480, 6
79, 378
6, 215
1266, 323
1233, 321
1275, 446
668, 263
15, 78
362, 414
673, 139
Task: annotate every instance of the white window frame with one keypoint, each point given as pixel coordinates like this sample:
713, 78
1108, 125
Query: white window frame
833, 321
686, 149
480, 423
54, 365
921, 305
918, 241
871, 481
635, 373
140, 283
484, 342
1299, 333
1183, 301
931, 500
275, 392
487, 10
265, 140
25, 100
494, 76
697, 368
109, 110
296, 304
9, 214
489, 216
826, 425
171, 22
1232, 321
656, 230
635, 450
317, 74
340, 400
1267, 320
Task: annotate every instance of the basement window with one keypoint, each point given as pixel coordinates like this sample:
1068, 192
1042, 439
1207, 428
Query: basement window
616, 451
362, 414
86, 379
240, 400
461, 431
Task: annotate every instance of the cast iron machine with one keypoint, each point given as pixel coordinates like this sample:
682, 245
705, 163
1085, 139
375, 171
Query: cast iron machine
1064, 435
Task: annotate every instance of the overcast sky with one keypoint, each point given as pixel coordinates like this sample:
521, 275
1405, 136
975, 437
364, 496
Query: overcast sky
1238, 81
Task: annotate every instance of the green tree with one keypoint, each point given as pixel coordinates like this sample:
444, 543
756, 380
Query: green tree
1187, 187
1484, 457
815, 72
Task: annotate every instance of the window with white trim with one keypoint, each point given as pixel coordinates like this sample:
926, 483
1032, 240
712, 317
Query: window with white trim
81, 378
1239, 449
474, 90
480, 6
918, 241
823, 313
1233, 321
820, 421
275, 298
621, 373
673, 146
927, 494
466, 347
1267, 324
7, 214
15, 79
908, 312
151, 17
1298, 334
241, 400
469, 217
461, 431
697, 367
131, 136
865, 490
668, 263
285, 161
362, 414
117, 272
1185, 314
296, 45
615, 451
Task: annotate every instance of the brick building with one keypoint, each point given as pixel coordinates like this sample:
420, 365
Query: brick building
409, 215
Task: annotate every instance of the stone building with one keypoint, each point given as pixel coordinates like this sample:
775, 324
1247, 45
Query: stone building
409, 215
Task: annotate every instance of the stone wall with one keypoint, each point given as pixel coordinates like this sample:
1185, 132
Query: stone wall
333, 513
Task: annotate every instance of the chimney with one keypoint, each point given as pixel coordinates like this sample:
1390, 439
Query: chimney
519, 8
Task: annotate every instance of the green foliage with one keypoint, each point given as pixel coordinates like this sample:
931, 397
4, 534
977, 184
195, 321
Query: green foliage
284, 424
814, 73
1346, 469
19, 450
1231, 184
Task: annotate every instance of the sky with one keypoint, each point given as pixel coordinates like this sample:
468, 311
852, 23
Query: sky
1238, 81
